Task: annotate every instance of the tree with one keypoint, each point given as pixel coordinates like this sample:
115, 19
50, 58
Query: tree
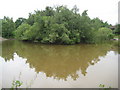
61, 25
104, 34
49, 11
31, 19
21, 31
97, 23
19, 21
8, 27
117, 30
75, 9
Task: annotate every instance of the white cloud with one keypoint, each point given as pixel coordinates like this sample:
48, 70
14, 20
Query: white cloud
107, 10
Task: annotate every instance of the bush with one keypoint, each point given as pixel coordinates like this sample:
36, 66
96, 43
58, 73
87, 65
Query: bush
21, 32
117, 30
104, 34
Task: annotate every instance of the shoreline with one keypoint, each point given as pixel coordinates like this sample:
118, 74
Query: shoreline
2, 39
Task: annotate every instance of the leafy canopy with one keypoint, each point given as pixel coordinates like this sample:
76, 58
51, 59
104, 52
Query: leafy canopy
58, 25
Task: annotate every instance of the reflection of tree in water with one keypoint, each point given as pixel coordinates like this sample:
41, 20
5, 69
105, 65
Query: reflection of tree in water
59, 61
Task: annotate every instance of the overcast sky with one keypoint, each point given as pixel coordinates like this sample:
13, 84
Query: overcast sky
107, 10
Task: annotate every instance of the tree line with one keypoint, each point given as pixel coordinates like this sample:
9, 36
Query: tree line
58, 25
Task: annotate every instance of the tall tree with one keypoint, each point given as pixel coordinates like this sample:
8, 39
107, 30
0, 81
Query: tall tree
19, 21
8, 26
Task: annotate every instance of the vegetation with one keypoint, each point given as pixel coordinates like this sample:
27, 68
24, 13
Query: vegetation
104, 88
58, 25
19, 21
16, 84
117, 30
104, 34
8, 27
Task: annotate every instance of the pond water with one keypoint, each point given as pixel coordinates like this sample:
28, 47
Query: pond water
58, 66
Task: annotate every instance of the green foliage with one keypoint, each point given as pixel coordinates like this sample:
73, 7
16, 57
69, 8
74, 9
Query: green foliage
104, 34
8, 27
19, 21
21, 32
61, 25
97, 23
117, 30
103, 86
16, 84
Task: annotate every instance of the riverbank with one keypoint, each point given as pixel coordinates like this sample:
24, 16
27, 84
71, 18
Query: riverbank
2, 39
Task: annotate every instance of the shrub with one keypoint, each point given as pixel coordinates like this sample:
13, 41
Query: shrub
104, 34
21, 31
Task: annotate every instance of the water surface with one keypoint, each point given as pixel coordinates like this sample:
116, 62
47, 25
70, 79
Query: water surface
59, 66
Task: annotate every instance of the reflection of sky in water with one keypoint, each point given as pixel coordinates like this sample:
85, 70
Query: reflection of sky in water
1, 59
103, 72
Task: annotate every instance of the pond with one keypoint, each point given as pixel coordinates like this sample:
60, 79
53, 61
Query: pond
58, 66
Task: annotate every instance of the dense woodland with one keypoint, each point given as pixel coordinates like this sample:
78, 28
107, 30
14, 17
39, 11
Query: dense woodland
58, 25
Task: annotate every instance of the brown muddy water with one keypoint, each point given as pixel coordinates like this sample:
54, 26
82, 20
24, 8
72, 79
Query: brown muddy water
58, 66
